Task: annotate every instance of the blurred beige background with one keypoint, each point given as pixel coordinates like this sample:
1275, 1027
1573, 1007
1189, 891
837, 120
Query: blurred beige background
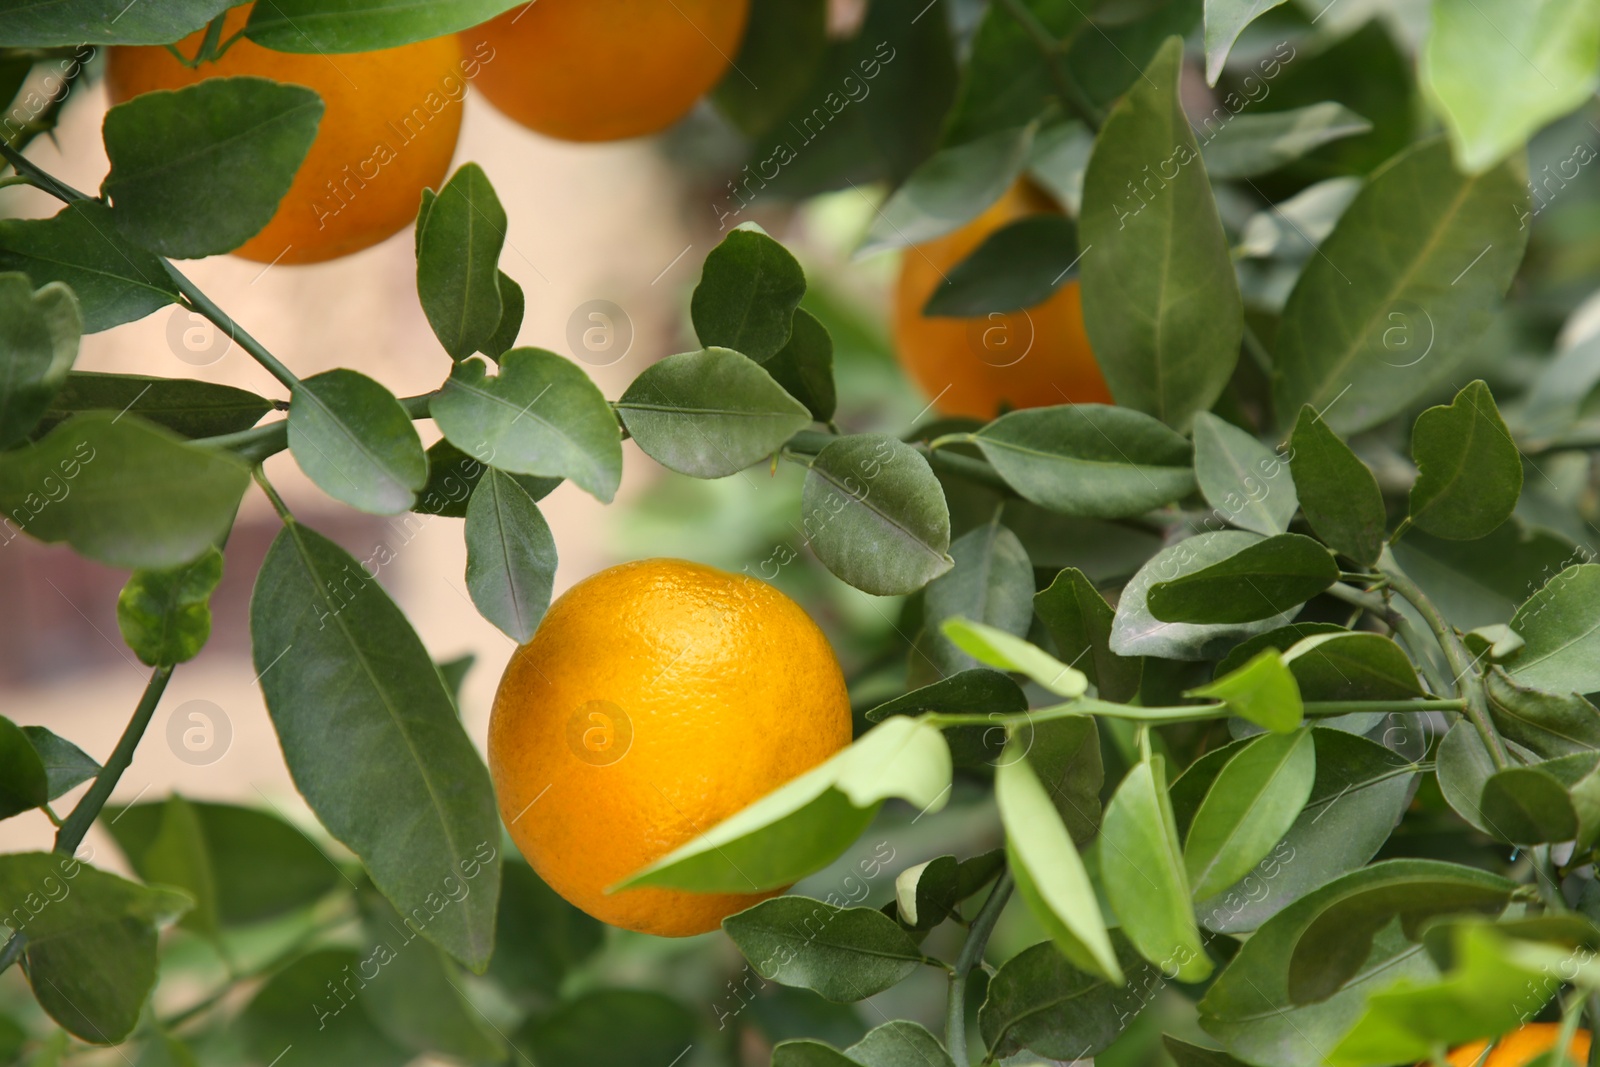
610, 222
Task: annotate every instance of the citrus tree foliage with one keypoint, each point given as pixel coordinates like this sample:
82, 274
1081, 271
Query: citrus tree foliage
1279, 671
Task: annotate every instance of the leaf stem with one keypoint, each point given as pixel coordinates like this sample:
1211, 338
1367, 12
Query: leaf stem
1467, 680
1072, 94
955, 1019
272, 494
1403, 628
83, 815
259, 442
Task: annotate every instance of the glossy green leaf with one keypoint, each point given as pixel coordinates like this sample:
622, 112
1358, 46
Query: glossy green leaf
39, 334
1225, 20
1137, 632
395, 756
1079, 621
875, 514
74, 22
991, 582
1551, 724
1259, 581
709, 414
1142, 869
458, 262
24, 782
200, 170
610, 1026
1338, 493
1469, 472
1463, 766
1089, 460
843, 954
354, 439
453, 475
749, 289
121, 491
363, 25
187, 407
114, 280
996, 648
1527, 806
300, 1008
177, 856
65, 764
1248, 144
165, 615
1256, 797
1261, 690
899, 1043
805, 824
1160, 301
926, 894
1561, 627
974, 691
951, 188
1282, 639
1017, 266
513, 305
1065, 755
511, 556
1050, 875
1352, 666
804, 366
1247, 484
1039, 1001
1412, 273
540, 415
1497, 71
539, 937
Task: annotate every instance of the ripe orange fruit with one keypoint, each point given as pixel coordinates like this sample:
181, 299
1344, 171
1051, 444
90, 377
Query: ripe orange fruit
602, 70
389, 127
656, 699
1520, 1047
1031, 358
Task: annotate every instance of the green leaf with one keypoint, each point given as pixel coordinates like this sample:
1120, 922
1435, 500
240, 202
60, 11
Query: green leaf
39, 334
513, 304
453, 475
709, 414
1246, 483
804, 366
122, 491
1469, 472
301, 1007
185, 406
875, 514
1527, 806
1336, 940
395, 755
511, 556
1160, 301
1065, 755
1060, 156
749, 289
996, 648
540, 415
1142, 869
1079, 621
24, 782
1480, 583
1136, 632
1186, 1055
783, 46
974, 691
91, 949
1248, 145
65, 764
925, 894
1561, 627
114, 280
260, 866
611, 1026
458, 262
1225, 20
951, 188
991, 582
1497, 71
1282, 639
1259, 581
539, 937
354, 439
843, 954
200, 170
1463, 766
363, 25
1339, 495
1017, 266
1551, 724
899, 1043
165, 615
1049, 872
1006, 81
177, 856
1352, 666
1412, 272
805, 824
1039, 1001
1262, 691
1089, 460
1254, 801
55, 23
